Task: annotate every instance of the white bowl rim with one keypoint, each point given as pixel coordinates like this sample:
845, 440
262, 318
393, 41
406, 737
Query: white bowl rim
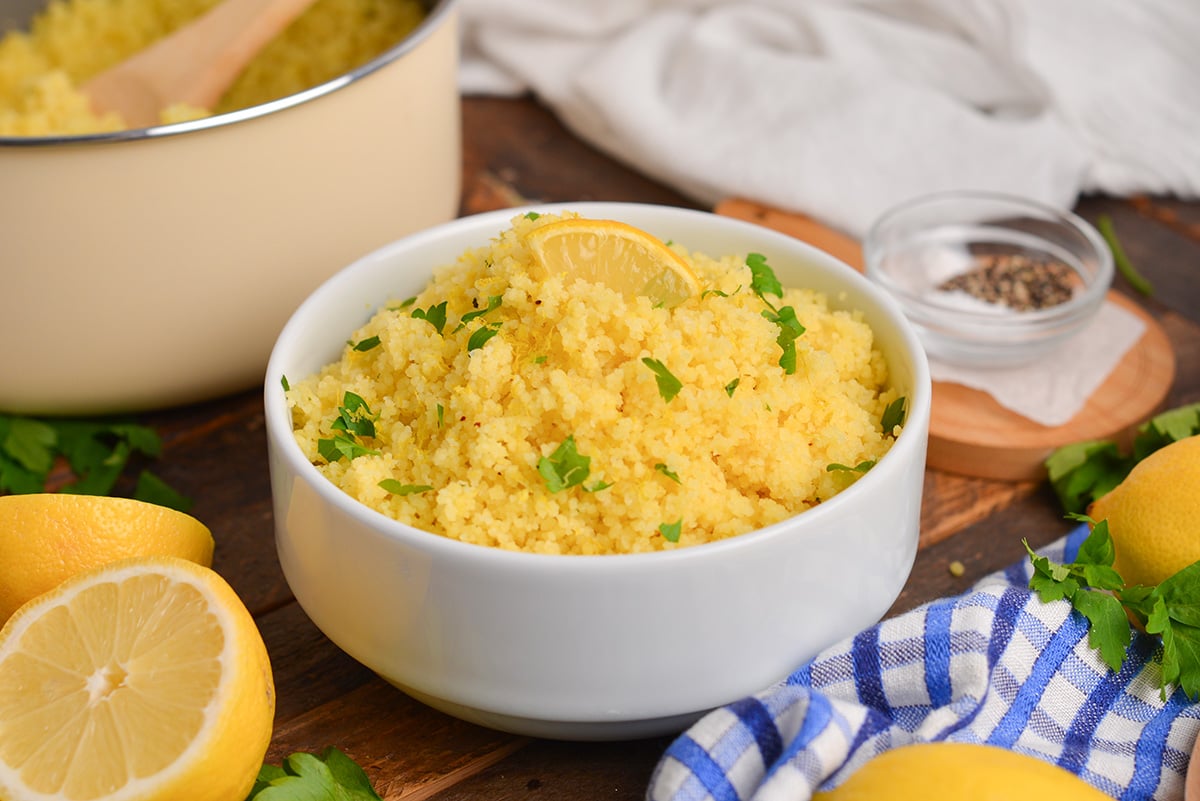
278, 418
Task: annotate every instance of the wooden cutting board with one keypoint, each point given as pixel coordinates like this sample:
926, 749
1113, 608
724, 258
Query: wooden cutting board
969, 432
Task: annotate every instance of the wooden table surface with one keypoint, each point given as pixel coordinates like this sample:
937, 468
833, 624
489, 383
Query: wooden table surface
514, 151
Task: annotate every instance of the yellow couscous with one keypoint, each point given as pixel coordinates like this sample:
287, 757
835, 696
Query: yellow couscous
536, 416
72, 40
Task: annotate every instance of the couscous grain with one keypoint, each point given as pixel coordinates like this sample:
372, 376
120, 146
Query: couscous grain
72, 40
549, 431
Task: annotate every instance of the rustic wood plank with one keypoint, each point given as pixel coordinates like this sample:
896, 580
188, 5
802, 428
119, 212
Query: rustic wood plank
408, 750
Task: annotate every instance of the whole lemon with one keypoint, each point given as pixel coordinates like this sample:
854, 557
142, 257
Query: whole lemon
47, 538
1154, 514
959, 772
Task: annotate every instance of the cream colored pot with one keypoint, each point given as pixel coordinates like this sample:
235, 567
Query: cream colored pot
156, 267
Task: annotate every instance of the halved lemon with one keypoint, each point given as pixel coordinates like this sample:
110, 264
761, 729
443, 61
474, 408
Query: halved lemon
47, 538
615, 254
145, 679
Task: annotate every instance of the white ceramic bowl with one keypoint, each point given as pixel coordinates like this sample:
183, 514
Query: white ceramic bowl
591, 647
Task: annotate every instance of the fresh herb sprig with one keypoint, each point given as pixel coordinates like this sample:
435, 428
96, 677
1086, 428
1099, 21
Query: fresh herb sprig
566, 467
668, 385
763, 282
1081, 472
354, 421
328, 776
1170, 609
98, 452
435, 315
671, 531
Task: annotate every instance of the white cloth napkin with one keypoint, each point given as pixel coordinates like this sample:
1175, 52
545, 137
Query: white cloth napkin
841, 109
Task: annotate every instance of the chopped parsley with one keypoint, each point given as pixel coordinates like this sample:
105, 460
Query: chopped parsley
861, 467
566, 467
671, 531
481, 335
492, 304
365, 344
354, 420
662, 468
668, 385
435, 315
894, 415
731, 386
763, 282
395, 487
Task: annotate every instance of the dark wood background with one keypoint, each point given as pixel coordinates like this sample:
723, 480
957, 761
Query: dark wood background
514, 152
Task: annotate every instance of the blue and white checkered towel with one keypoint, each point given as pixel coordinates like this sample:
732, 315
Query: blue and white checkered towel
994, 665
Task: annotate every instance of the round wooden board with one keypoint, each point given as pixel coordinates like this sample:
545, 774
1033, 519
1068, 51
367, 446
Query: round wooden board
971, 434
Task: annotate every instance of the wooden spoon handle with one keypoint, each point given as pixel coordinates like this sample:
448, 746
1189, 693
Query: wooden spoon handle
196, 64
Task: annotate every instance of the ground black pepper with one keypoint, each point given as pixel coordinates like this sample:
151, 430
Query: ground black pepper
1021, 282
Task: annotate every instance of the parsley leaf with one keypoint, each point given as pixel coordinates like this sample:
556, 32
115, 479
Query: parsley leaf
671, 531
1170, 610
365, 344
666, 471
790, 330
343, 445
481, 335
668, 385
354, 416
894, 415
398, 488
435, 315
1081, 472
566, 467
763, 282
354, 420
330, 776
731, 386
97, 452
492, 304
861, 467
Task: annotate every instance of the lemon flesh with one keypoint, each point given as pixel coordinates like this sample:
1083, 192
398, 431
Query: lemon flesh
615, 254
145, 679
949, 771
49, 537
1154, 514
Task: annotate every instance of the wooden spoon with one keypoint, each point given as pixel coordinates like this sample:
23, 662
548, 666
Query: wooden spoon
195, 64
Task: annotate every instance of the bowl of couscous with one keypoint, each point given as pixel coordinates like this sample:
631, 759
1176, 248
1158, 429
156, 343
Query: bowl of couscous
564, 499
154, 266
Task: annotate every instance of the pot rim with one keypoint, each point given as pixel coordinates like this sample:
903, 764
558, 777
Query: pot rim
438, 10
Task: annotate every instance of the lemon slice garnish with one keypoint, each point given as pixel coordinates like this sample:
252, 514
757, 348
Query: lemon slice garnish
615, 254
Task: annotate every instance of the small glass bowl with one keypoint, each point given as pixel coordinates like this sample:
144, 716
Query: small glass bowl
950, 259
